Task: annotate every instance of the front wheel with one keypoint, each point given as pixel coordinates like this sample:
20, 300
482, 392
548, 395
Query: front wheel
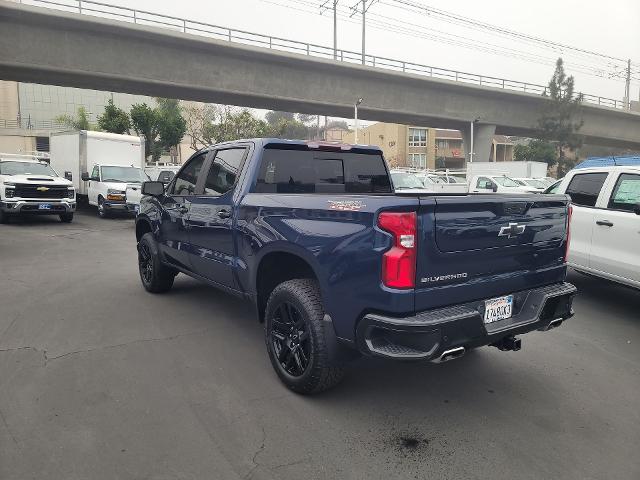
155, 276
102, 210
294, 333
66, 217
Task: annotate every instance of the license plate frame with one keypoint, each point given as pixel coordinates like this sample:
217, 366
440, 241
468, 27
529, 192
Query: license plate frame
44, 206
497, 309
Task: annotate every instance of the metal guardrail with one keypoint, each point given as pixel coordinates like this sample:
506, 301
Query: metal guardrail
28, 124
184, 25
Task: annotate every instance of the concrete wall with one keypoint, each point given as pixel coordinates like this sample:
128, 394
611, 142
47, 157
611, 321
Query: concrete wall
16, 142
43, 46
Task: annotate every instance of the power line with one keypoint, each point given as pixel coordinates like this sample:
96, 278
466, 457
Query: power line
453, 39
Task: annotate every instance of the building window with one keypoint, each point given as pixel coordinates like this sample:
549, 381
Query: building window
417, 160
443, 144
417, 137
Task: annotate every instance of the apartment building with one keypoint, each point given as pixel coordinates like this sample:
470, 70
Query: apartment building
421, 147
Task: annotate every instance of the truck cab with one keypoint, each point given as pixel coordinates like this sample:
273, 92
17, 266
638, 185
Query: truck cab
30, 186
605, 222
107, 187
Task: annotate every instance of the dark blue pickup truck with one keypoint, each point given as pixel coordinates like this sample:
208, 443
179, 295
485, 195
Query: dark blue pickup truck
338, 265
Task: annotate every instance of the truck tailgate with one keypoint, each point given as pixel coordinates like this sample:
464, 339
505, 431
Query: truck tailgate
481, 246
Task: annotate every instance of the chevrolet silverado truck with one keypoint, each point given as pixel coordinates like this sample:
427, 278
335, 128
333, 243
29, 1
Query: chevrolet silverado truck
338, 266
31, 187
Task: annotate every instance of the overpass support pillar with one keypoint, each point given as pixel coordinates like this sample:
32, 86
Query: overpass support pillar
482, 140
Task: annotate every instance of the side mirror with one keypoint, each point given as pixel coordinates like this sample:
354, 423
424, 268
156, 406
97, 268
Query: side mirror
85, 177
68, 176
636, 209
154, 189
494, 187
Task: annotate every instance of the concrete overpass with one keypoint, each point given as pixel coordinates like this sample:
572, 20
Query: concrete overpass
52, 47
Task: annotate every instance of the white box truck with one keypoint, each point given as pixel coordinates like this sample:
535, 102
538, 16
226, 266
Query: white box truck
101, 166
509, 169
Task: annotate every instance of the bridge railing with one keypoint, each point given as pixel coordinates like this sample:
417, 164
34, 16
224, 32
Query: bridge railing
195, 27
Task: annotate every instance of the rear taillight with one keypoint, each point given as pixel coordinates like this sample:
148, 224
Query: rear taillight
399, 262
566, 246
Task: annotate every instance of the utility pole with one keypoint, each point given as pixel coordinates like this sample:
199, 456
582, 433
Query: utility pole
335, 29
364, 12
355, 115
354, 9
323, 6
627, 87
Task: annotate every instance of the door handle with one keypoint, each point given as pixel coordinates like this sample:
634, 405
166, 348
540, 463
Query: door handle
224, 213
605, 223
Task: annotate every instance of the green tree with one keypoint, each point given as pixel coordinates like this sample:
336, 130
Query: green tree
163, 127
286, 125
78, 122
233, 124
536, 151
114, 119
560, 120
171, 124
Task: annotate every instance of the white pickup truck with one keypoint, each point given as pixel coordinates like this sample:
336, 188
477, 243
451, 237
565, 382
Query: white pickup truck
605, 224
497, 184
29, 186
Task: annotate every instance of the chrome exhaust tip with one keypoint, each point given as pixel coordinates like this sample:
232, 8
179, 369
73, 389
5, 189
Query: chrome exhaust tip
553, 324
451, 354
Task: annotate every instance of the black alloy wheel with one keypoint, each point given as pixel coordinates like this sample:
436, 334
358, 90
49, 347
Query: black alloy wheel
290, 339
145, 263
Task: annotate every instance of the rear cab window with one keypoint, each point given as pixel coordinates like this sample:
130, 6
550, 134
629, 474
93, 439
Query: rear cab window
626, 193
311, 171
584, 188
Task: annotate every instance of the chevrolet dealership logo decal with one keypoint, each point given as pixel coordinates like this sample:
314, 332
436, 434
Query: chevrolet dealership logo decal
42, 189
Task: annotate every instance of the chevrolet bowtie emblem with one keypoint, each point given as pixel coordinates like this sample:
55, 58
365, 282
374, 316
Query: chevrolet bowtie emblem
42, 189
513, 230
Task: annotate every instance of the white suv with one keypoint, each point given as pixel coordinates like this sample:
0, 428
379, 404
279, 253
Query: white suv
605, 225
29, 186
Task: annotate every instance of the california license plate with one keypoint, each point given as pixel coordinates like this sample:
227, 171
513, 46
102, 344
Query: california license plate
498, 309
44, 206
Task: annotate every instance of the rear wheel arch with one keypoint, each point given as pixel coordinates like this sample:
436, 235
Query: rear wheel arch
275, 268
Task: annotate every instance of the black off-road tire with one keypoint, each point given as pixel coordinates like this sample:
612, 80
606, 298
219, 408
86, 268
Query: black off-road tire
66, 217
304, 296
155, 276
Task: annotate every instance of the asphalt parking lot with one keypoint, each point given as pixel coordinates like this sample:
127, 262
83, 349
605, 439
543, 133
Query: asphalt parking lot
101, 380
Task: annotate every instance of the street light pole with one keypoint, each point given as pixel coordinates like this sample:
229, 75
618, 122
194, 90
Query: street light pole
355, 115
471, 143
335, 29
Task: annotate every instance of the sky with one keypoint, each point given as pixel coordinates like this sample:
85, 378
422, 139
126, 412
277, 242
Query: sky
609, 28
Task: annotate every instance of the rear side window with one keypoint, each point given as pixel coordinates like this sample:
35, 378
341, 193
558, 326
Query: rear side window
584, 188
305, 171
187, 178
626, 194
224, 170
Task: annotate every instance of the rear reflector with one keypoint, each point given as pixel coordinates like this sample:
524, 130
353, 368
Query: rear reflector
399, 262
566, 246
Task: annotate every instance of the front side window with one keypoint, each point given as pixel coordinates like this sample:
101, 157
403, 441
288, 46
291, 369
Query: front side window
306, 171
95, 173
484, 183
224, 171
186, 180
626, 194
584, 188
417, 137
124, 175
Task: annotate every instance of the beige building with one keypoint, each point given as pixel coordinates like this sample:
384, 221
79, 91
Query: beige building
421, 147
